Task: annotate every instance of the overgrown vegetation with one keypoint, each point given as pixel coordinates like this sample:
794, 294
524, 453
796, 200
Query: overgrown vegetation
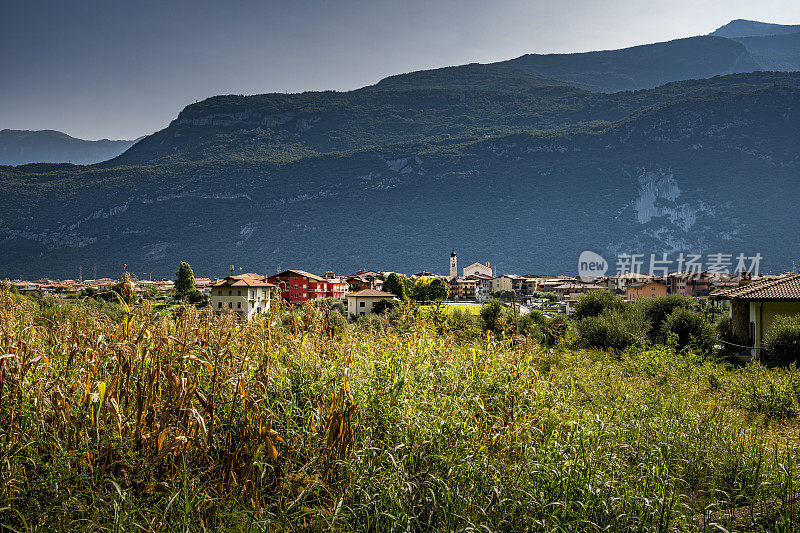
299, 420
782, 340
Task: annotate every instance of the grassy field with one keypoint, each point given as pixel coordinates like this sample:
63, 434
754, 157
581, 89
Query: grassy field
473, 309
185, 421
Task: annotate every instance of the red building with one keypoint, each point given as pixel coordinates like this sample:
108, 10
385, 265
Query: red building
299, 286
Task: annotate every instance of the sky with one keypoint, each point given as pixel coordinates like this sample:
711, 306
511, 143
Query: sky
120, 70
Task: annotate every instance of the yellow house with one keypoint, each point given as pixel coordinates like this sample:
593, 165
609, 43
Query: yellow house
755, 305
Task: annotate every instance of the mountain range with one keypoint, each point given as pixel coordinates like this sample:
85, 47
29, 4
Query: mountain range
684, 146
18, 147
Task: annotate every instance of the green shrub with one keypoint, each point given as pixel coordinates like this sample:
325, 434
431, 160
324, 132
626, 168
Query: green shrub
593, 304
531, 324
614, 329
782, 340
197, 297
334, 304
495, 316
656, 311
554, 330
462, 322
689, 329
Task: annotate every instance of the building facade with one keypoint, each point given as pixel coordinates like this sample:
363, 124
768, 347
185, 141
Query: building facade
362, 302
298, 286
463, 288
477, 268
247, 295
648, 289
754, 306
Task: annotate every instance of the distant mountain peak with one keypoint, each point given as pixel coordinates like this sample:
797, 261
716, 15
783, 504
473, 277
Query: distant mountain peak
19, 147
753, 28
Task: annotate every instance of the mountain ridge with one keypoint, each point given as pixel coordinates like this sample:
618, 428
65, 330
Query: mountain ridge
657, 63
753, 28
508, 165
260, 215
19, 147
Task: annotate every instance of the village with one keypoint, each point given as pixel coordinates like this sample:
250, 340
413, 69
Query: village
250, 294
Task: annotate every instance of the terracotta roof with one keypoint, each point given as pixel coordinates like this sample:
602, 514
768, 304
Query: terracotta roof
786, 288
633, 275
302, 273
371, 292
589, 286
243, 280
645, 284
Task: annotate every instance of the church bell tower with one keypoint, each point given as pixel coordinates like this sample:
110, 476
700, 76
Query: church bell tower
453, 264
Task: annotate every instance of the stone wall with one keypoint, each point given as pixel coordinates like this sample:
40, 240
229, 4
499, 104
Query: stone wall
740, 321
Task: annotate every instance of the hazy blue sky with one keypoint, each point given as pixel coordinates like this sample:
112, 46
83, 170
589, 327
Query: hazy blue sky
97, 69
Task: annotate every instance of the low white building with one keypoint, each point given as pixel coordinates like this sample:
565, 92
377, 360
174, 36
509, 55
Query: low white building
246, 295
361, 303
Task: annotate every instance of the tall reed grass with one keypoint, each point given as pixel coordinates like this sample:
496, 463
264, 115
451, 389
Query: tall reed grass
190, 421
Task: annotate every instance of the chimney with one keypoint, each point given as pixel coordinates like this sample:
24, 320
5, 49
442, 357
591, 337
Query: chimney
745, 278
487, 263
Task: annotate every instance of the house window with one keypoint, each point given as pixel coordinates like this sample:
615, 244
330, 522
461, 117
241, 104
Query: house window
230, 305
361, 304
238, 293
238, 305
230, 293
220, 305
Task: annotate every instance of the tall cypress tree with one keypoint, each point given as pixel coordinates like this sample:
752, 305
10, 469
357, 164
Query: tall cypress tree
184, 284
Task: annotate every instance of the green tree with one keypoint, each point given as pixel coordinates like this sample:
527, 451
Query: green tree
438, 290
394, 284
198, 298
503, 295
184, 284
656, 311
595, 302
420, 292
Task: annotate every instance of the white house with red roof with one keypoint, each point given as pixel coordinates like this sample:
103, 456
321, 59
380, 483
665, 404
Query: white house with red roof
246, 295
